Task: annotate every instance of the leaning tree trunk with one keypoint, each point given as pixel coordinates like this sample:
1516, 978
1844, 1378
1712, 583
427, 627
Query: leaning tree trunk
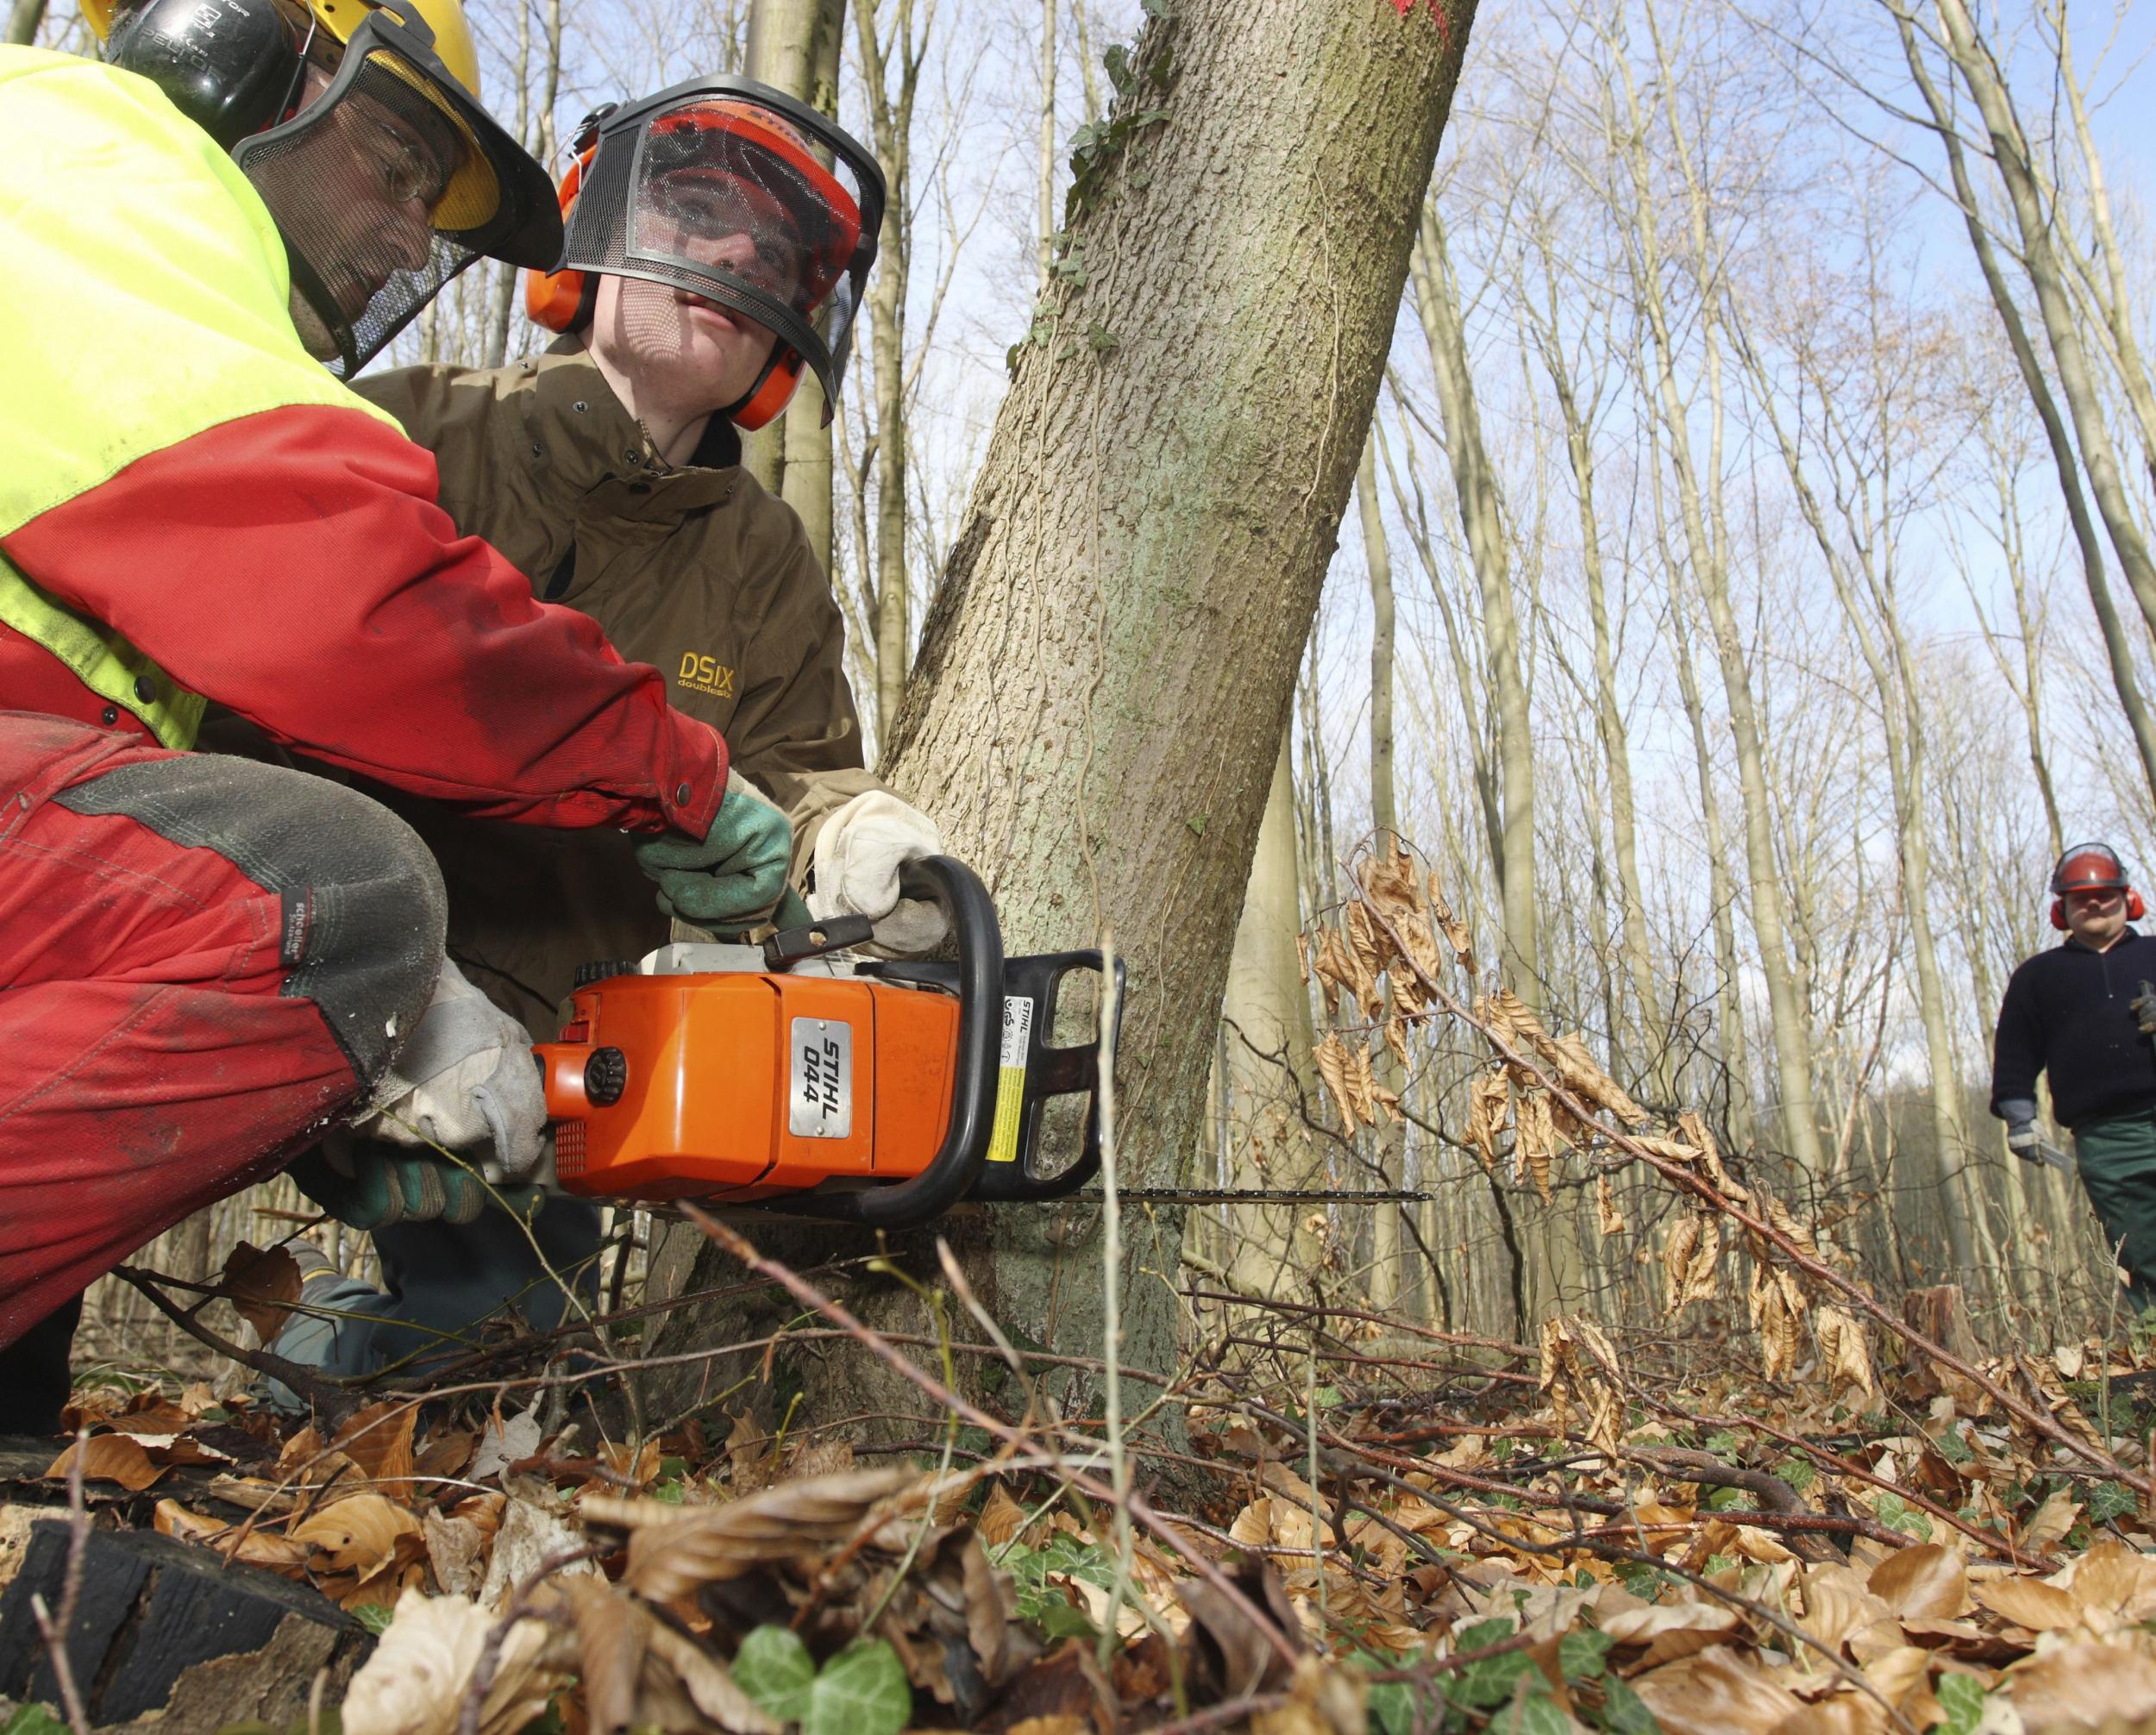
1106, 672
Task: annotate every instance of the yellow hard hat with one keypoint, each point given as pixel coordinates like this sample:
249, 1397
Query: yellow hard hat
452, 34
496, 196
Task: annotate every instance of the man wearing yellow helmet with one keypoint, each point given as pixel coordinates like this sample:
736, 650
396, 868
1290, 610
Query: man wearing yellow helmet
206, 960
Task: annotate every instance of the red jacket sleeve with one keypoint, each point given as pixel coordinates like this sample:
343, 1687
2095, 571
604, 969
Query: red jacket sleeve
293, 566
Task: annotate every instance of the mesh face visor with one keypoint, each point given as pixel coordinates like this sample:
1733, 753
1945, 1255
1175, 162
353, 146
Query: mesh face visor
726, 189
385, 187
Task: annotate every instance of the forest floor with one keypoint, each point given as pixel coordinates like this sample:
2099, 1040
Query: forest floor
1790, 1503
1397, 1529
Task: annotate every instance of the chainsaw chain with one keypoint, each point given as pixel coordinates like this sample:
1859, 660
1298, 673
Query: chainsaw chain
1275, 1195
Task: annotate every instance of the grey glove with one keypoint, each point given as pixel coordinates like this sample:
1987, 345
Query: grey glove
465, 1081
2021, 1139
2143, 1006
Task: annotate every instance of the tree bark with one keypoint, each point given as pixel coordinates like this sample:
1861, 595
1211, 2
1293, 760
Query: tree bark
1652, 1043
891, 119
794, 47
1475, 481
1708, 553
1106, 670
2117, 650
1268, 1071
23, 18
1387, 1276
2010, 155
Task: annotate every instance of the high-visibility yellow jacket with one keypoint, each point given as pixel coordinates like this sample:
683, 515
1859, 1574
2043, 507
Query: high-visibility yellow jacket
191, 508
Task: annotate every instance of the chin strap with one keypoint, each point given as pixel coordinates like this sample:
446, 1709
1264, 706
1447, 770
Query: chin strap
308, 283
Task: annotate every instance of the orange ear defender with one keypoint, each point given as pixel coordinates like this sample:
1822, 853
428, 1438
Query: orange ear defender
562, 300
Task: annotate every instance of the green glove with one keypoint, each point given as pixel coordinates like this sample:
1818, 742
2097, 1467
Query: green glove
736, 876
370, 1186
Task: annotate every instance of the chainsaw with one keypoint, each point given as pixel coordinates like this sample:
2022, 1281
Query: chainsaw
796, 1076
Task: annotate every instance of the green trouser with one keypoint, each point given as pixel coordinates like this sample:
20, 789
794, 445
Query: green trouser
2117, 1159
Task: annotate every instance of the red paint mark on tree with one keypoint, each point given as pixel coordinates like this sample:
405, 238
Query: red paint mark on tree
1437, 11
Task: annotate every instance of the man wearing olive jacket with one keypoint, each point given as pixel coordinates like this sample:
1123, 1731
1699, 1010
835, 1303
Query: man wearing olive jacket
610, 469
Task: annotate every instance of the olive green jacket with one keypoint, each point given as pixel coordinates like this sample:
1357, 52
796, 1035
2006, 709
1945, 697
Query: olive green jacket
694, 569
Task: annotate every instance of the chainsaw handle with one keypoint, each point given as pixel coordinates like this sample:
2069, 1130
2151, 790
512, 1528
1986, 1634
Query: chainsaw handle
958, 1161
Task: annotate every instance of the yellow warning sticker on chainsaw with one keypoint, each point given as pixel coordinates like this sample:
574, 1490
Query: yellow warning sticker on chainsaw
1018, 1031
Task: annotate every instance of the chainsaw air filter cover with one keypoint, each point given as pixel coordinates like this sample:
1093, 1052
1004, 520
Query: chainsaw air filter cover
881, 1094
745, 1084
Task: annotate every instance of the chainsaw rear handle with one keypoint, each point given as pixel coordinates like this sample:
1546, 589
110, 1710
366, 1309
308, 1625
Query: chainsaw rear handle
959, 1160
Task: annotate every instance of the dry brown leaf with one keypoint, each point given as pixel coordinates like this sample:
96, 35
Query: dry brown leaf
533, 1535
1489, 1105
414, 1683
1691, 1127
2050, 1522
2119, 1580
263, 1284
635, 1468
1335, 1067
1583, 1073
455, 1548
673, 1549
108, 1458
710, 1687
378, 1440
1454, 930
1366, 956
257, 1548
1925, 1580
1693, 1262
2044, 1377
1837, 1605
360, 1534
2029, 1602
1002, 1517
1302, 958
1335, 967
1774, 1303
2085, 1684
1534, 1141
1387, 878
1611, 1219
1672, 1630
1842, 1350
1677, 1262
1718, 1693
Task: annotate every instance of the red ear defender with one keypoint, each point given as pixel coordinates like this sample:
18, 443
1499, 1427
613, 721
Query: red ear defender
773, 392
562, 300
2135, 908
2059, 914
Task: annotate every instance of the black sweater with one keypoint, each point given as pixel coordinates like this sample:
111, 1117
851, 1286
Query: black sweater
2066, 1012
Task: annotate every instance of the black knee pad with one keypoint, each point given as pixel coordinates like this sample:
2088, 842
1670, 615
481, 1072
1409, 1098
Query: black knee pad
364, 909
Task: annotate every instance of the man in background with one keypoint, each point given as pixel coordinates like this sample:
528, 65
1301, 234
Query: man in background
2083, 1013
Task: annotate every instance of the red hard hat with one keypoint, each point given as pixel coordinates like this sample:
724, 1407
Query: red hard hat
2088, 868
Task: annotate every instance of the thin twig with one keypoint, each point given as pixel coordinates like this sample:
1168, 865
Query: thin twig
55, 1632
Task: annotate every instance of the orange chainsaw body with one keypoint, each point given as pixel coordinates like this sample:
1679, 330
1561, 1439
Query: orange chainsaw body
746, 1085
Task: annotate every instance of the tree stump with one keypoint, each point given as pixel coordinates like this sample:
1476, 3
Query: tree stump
1941, 1313
162, 1627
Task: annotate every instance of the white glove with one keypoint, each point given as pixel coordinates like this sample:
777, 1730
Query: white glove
467, 1082
858, 854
